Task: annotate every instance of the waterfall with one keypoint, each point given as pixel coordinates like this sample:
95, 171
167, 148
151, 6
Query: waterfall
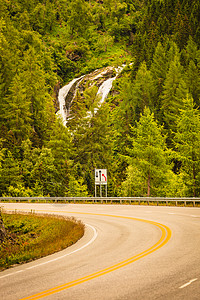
105, 88
63, 92
72, 87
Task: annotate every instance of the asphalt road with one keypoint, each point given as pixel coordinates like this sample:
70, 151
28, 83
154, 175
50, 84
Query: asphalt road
127, 252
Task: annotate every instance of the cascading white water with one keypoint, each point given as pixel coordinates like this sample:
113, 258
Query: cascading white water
61, 99
106, 86
103, 92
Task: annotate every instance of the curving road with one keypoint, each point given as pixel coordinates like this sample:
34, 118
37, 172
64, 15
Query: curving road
127, 252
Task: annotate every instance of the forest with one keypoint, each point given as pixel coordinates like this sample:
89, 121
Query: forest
146, 133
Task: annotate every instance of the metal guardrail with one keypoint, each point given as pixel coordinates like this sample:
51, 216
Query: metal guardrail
102, 200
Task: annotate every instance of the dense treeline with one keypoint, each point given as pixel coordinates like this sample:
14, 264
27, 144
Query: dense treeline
147, 134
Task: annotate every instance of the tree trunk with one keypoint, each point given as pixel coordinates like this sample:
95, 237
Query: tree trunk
149, 186
2, 229
194, 181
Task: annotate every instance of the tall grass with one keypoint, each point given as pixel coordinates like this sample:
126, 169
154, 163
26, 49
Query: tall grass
31, 236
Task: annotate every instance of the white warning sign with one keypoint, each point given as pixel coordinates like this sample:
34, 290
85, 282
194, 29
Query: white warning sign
100, 176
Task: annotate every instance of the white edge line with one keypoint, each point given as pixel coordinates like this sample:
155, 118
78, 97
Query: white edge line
95, 234
188, 283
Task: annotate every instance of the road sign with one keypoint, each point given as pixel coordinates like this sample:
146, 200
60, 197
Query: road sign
100, 176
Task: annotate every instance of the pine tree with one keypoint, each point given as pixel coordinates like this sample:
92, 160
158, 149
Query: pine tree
27, 161
159, 64
191, 57
143, 90
80, 17
173, 93
60, 143
93, 145
36, 90
187, 141
123, 114
44, 171
10, 172
148, 154
158, 70
16, 112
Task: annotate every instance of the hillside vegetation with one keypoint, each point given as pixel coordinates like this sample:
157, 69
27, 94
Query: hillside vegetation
32, 236
147, 133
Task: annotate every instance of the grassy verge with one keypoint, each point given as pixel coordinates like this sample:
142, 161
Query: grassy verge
31, 236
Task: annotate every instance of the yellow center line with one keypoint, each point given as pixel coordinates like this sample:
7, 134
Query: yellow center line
165, 236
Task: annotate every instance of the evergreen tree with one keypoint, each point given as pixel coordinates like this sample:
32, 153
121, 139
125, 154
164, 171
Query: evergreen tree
191, 57
41, 104
80, 17
16, 112
148, 155
187, 141
134, 185
43, 172
27, 161
93, 146
123, 116
143, 90
10, 172
158, 70
60, 143
173, 93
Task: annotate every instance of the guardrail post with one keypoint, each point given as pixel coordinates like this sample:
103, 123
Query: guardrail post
194, 203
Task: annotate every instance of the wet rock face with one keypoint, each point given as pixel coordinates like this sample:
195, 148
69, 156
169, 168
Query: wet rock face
96, 78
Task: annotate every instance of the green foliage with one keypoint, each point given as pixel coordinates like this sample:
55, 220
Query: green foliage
187, 141
9, 172
134, 185
44, 44
143, 90
174, 92
93, 146
175, 185
19, 191
80, 17
148, 156
77, 188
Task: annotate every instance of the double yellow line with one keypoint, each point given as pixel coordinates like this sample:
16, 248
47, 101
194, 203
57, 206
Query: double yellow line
165, 236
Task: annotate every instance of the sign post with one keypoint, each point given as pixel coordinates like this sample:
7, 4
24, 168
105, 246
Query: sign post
100, 179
